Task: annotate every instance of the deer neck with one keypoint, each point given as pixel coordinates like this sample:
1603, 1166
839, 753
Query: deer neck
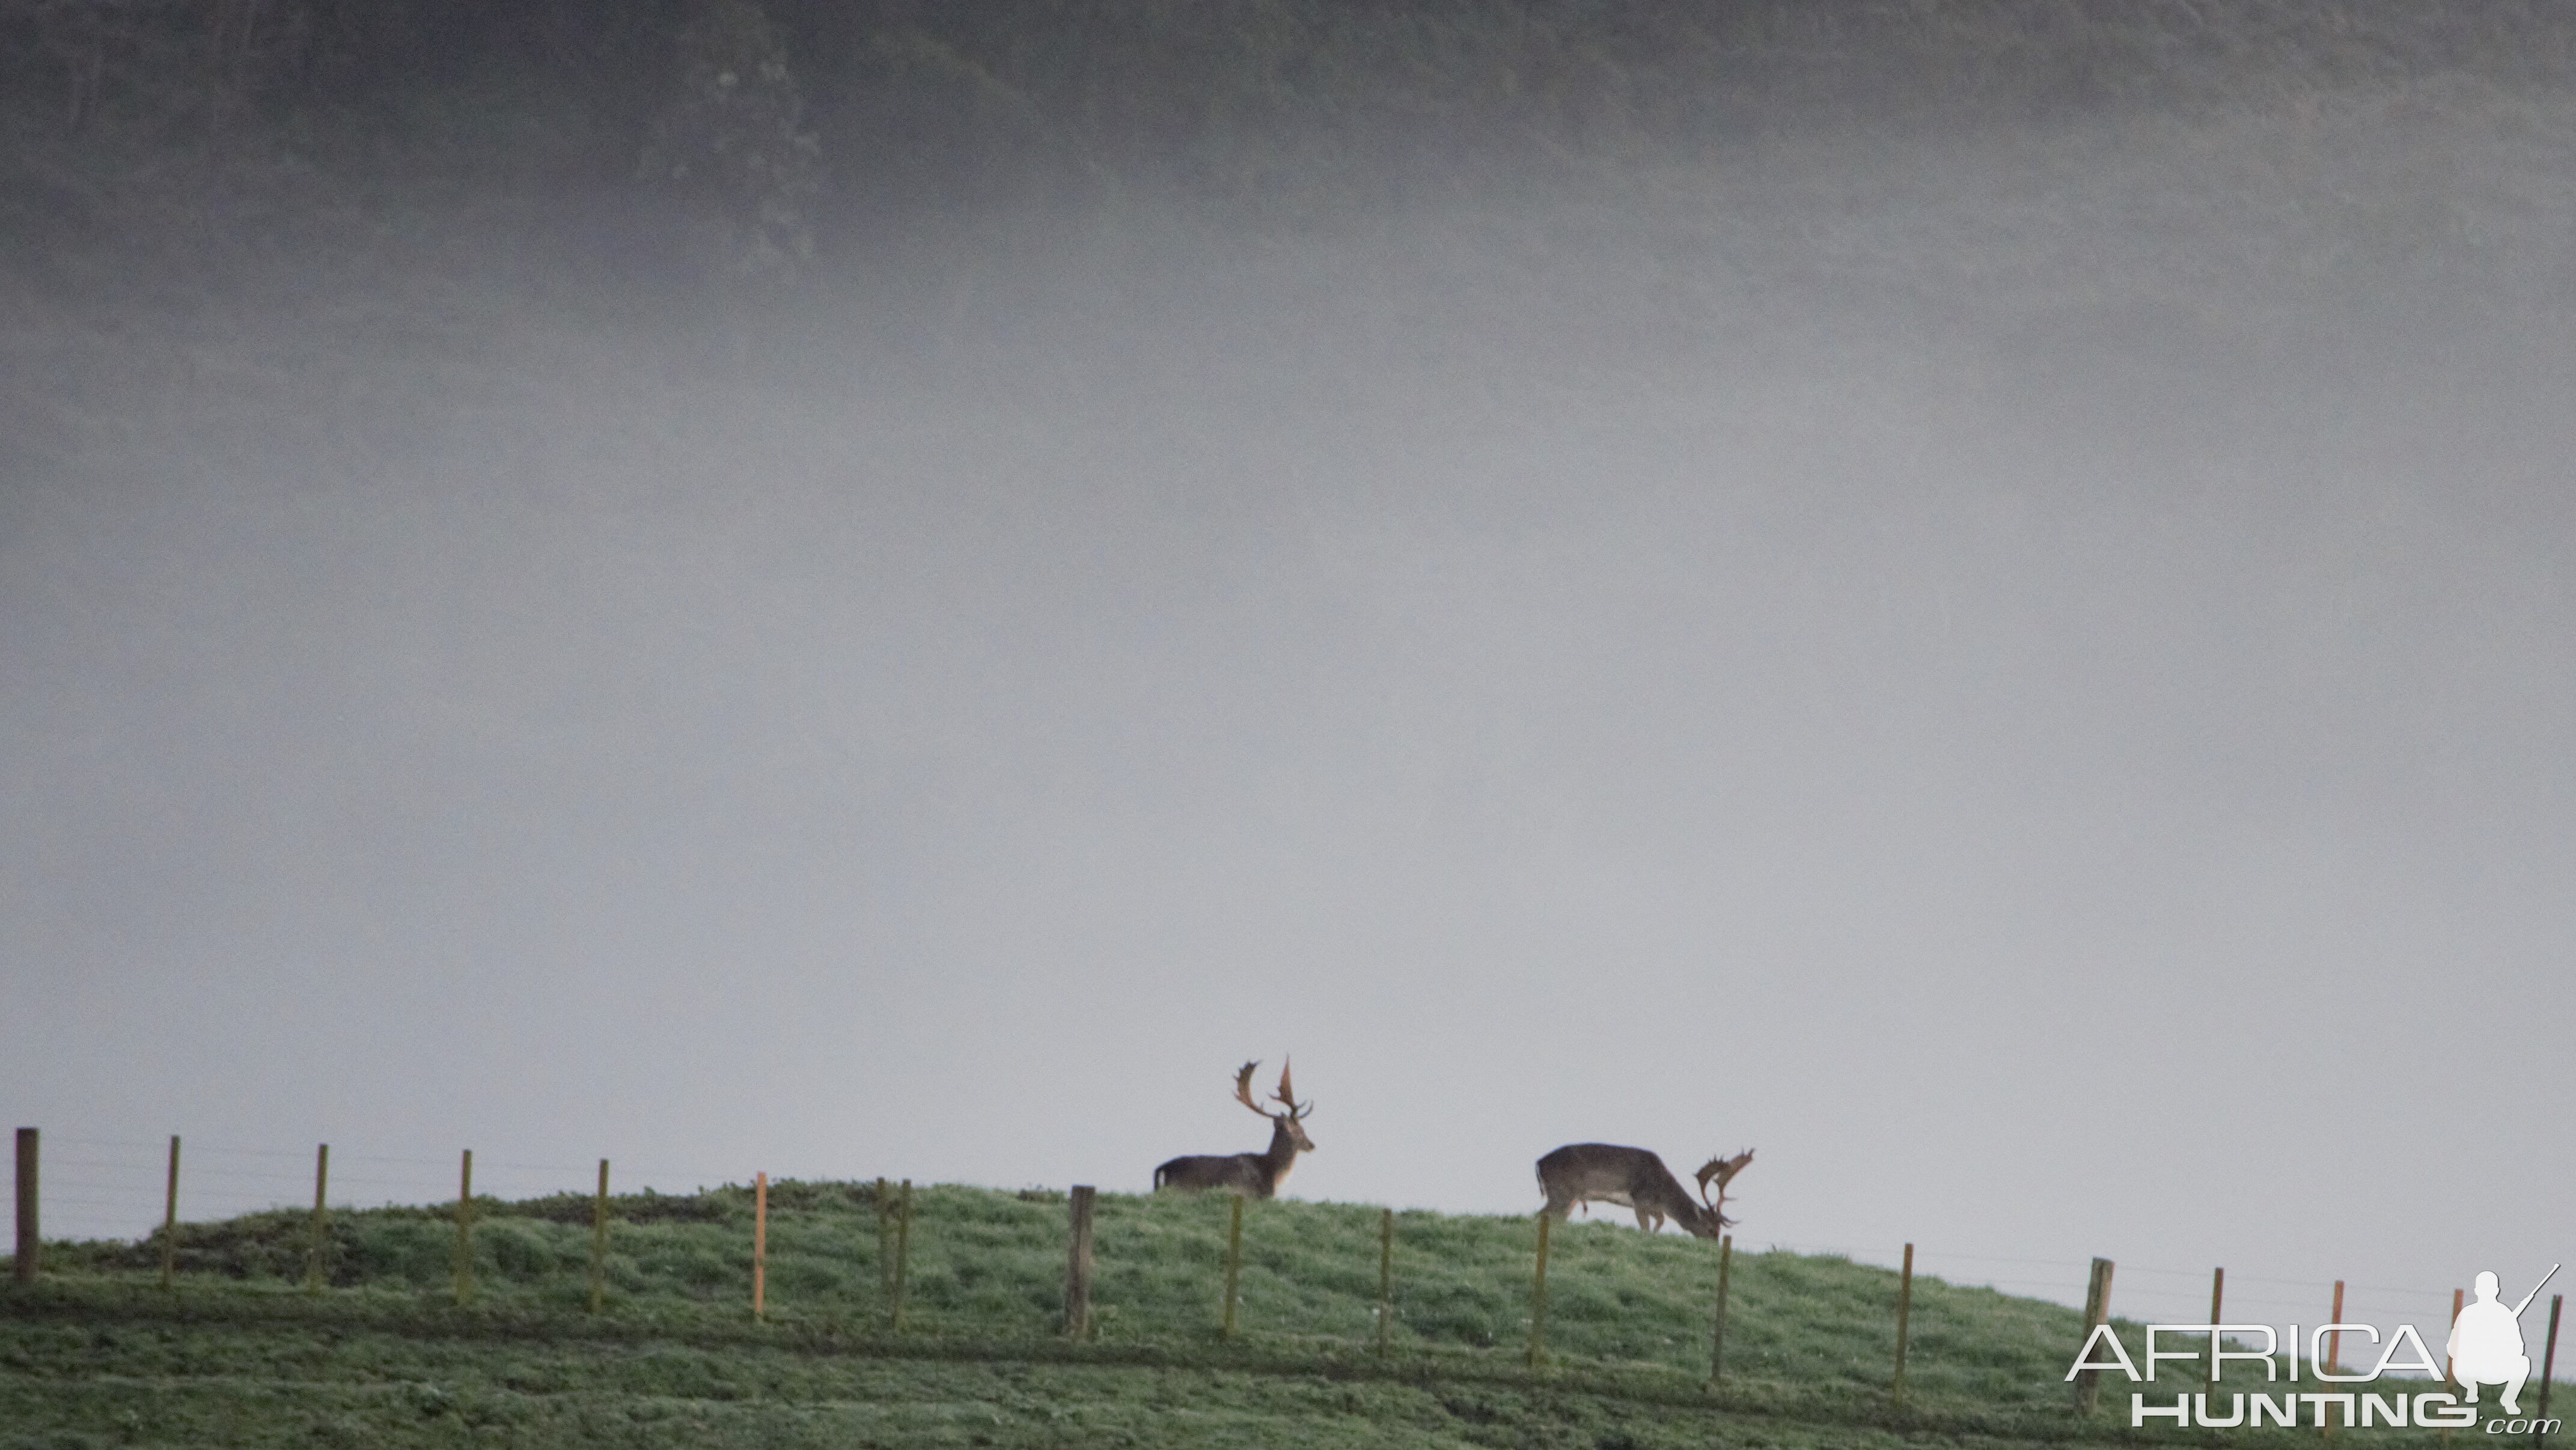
1686, 1212
1282, 1155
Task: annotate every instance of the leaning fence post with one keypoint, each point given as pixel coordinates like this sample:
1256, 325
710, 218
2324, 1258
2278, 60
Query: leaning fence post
1077, 1266
170, 1222
1538, 1297
599, 1240
1233, 1263
1385, 1276
2548, 1367
2458, 1298
1904, 1312
2334, 1362
2217, 1295
902, 1255
1717, 1337
2334, 1340
465, 1230
2097, 1312
313, 1246
28, 1244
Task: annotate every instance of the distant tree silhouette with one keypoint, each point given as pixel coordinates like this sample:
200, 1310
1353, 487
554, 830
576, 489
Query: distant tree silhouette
734, 142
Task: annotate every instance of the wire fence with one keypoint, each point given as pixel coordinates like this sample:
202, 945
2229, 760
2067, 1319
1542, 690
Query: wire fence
114, 1188
2154, 1294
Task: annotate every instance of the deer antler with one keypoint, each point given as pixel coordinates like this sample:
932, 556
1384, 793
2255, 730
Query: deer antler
1286, 1097
1243, 1090
1721, 1170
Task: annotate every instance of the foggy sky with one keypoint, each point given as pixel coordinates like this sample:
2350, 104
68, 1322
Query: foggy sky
2085, 778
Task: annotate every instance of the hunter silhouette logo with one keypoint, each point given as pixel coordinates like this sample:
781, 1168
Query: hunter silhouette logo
2486, 1343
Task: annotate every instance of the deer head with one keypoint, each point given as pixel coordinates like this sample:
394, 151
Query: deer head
1288, 1122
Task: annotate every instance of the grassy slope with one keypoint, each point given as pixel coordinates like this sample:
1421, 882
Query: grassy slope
99, 1355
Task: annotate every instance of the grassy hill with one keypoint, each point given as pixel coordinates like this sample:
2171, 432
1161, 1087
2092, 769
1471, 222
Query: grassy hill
98, 1354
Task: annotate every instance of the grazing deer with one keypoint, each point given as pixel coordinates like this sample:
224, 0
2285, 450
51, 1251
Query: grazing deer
1253, 1175
1635, 1178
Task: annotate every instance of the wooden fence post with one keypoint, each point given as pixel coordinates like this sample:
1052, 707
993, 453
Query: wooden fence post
599, 1241
2334, 1362
2097, 1312
885, 1242
1233, 1263
759, 1245
2217, 1295
1385, 1277
1904, 1312
2458, 1298
2334, 1341
1538, 1297
1077, 1266
465, 1230
902, 1255
29, 1243
321, 1221
2548, 1367
1717, 1337
170, 1222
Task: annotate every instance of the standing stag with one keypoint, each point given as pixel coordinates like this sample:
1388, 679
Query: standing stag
1253, 1175
1635, 1178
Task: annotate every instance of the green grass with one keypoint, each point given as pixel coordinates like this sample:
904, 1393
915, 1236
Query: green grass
98, 1354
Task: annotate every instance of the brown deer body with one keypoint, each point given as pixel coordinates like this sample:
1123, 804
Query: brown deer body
1252, 1175
1634, 1178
